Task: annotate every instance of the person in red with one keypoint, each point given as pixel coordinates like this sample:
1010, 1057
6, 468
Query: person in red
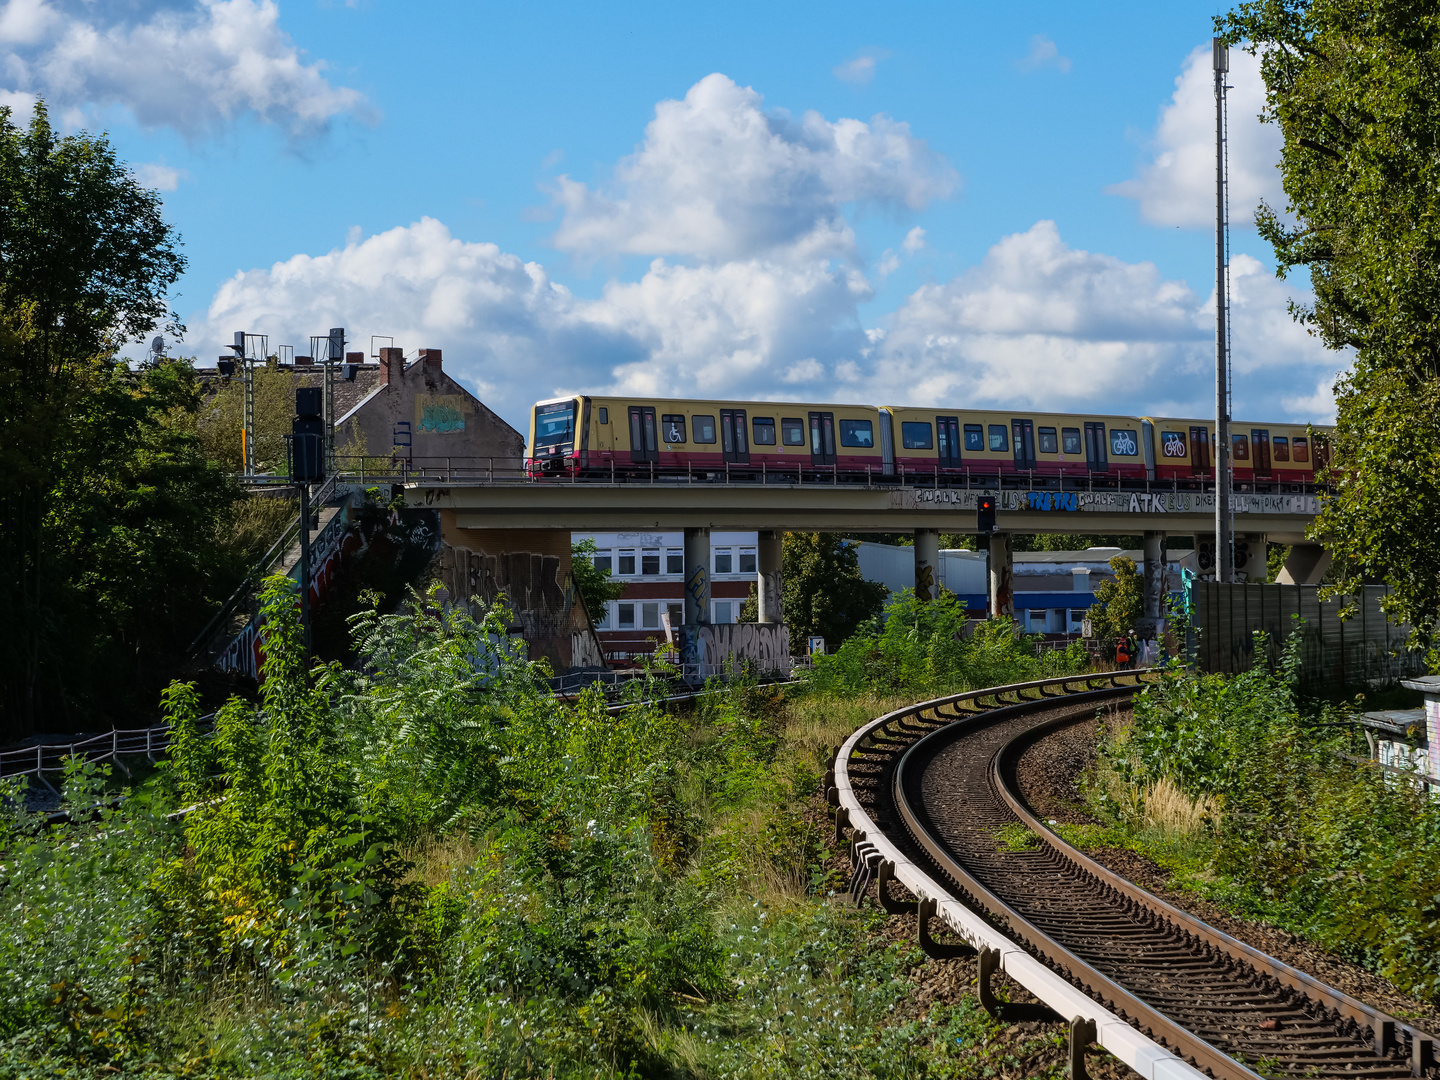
1122, 651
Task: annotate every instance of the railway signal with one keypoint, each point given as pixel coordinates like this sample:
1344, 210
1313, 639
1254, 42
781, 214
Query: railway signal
985, 518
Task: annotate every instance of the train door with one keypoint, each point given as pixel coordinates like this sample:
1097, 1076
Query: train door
1095, 453
887, 443
642, 434
734, 440
947, 428
822, 438
1260, 451
1023, 435
1200, 449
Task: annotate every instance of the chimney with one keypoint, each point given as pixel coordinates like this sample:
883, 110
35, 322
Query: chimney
392, 363
354, 358
430, 362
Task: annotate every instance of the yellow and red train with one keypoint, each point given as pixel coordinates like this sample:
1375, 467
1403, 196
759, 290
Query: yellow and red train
632, 437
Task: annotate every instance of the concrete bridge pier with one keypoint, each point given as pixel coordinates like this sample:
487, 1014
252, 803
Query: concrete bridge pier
1305, 565
697, 594
1002, 576
927, 564
1152, 613
769, 595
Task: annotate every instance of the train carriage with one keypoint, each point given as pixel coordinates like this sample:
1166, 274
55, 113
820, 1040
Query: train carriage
1263, 453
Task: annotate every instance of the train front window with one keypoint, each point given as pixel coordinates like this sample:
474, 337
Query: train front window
857, 433
792, 431
672, 427
1070, 440
1048, 442
974, 437
704, 428
916, 435
999, 439
763, 430
554, 423
1280, 447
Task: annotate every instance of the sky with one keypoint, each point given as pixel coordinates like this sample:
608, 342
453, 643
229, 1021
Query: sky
970, 205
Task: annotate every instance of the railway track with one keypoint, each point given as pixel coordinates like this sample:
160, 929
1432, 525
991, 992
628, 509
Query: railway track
924, 792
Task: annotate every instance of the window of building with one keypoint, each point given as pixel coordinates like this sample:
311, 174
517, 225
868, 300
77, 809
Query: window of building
1302, 448
1240, 447
792, 431
602, 617
974, 437
724, 611
650, 616
674, 562
917, 435
627, 562
1070, 439
999, 439
626, 616
604, 415
677, 615
747, 560
1049, 444
704, 429
764, 431
1172, 444
857, 433
602, 562
1123, 442
672, 428
650, 561
1280, 448
723, 561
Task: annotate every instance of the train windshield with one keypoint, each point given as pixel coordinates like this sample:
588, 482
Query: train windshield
554, 423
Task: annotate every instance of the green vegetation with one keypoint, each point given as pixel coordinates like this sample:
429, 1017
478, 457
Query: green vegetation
1259, 802
1118, 601
428, 867
1351, 87
594, 585
1016, 837
823, 591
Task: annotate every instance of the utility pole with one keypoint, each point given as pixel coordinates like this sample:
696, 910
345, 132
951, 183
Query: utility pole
1224, 519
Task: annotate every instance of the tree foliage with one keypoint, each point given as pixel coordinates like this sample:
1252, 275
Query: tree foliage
1120, 601
1352, 87
595, 586
823, 591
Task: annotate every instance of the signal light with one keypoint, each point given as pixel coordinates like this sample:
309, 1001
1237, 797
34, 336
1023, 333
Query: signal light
985, 518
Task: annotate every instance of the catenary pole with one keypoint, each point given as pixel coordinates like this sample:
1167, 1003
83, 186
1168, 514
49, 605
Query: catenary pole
1224, 521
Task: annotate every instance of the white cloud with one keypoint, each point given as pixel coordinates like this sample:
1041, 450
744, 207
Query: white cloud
718, 178
1177, 186
157, 175
859, 70
1044, 53
191, 65
914, 240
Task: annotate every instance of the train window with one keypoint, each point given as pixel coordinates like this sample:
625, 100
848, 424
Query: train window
650, 561
974, 437
1048, 442
1302, 448
1172, 444
764, 427
1280, 447
1240, 447
857, 433
747, 560
917, 435
999, 438
627, 562
792, 431
722, 561
672, 428
704, 427
602, 562
1070, 440
627, 616
674, 562
604, 415
1123, 442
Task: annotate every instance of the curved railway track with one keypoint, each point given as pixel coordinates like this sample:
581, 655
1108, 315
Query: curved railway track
925, 790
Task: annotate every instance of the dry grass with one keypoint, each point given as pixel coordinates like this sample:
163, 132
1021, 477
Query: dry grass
1166, 808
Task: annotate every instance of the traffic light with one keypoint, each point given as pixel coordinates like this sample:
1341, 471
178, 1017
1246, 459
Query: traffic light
307, 438
985, 518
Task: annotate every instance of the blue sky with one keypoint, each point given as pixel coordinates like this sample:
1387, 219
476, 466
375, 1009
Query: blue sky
1000, 205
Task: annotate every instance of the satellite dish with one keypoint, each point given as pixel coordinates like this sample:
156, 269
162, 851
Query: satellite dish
157, 346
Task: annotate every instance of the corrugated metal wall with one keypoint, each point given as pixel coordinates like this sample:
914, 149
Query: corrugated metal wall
1363, 650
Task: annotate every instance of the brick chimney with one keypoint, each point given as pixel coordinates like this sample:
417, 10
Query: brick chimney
392, 363
354, 357
430, 363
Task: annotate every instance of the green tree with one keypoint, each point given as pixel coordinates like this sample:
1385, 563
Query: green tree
1118, 602
222, 419
1352, 88
595, 586
824, 592
108, 512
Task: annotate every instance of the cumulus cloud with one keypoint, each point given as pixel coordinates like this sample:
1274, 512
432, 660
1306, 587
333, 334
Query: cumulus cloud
914, 240
190, 65
1044, 53
157, 175
718, 178
1177, 185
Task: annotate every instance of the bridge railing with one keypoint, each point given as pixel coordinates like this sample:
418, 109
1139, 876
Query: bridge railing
112, 746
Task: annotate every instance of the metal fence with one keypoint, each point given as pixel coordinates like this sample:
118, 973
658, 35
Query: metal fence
1338, 654
36, 761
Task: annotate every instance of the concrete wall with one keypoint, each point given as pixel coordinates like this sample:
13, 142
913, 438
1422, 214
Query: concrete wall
765, 645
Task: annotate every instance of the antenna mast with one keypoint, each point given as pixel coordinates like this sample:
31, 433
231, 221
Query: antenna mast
1224, 518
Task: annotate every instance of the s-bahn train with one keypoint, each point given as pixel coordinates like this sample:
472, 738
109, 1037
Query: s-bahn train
630, 438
